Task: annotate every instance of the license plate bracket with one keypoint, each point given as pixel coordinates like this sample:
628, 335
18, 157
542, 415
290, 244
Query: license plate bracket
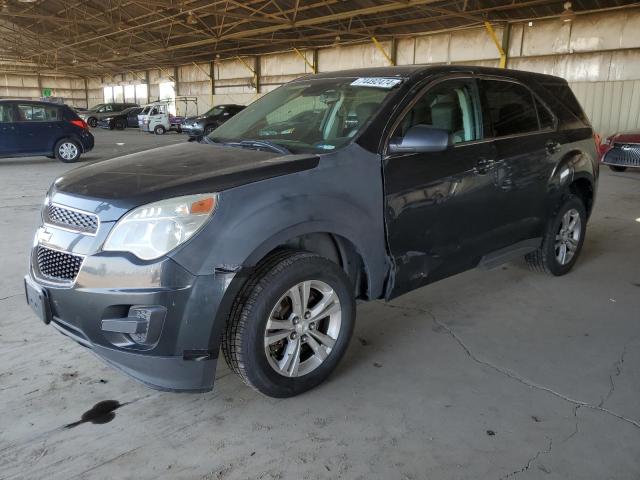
38, 300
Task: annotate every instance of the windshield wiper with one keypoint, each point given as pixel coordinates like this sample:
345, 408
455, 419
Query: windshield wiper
258, 144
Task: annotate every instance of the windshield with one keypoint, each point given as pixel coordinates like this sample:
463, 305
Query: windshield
214, 111
309, 115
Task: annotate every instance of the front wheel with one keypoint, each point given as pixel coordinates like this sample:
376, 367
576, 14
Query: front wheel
159, 130
290, 324
615, 168
119, 125
67, 151
563, 239
92, 122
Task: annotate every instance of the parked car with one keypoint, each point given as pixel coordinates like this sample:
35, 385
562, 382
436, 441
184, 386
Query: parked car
204, 124
94, 114
260, 240
126, 118
621, 151
156, 118
30, 128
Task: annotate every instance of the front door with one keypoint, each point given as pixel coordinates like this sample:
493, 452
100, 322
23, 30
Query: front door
38, 127
436, 203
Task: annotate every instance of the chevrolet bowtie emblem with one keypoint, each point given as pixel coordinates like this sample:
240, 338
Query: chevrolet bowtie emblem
626, 147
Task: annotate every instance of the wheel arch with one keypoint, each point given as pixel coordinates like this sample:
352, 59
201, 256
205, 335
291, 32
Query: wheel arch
575, 174
331, 243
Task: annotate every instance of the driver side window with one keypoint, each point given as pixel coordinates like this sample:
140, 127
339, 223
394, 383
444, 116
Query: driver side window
451, 106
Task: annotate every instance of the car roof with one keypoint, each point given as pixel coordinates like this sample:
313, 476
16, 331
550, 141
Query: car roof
421, 71
35, 102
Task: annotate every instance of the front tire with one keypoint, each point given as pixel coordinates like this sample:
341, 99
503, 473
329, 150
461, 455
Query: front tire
119, 125
159, 130
67, 151
92, 122
615, 168
563, 239
290, 324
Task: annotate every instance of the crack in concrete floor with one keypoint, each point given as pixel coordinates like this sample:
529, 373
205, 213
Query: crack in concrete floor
513, 375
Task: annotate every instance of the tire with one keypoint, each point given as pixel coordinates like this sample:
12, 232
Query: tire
92, 122
67, 150
208, 129
266, 295
119, 125
159, 130
617, 169
548, 258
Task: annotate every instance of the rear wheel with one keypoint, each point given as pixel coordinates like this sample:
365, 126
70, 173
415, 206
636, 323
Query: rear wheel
92, 122
67, 151
615, 168
290, 324
159, 130
563, 239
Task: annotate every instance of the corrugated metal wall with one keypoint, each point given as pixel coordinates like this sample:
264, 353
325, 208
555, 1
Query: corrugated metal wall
611, 106
599, 54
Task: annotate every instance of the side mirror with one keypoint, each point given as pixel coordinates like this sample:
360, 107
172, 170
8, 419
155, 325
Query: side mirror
421, 139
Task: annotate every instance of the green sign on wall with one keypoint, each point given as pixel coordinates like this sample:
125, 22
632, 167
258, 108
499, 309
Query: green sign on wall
46, 92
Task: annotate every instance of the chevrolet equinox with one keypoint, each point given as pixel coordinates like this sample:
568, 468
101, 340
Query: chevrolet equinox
337, 187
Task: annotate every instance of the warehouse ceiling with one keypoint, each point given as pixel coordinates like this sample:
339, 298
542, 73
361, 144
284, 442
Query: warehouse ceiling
93, 37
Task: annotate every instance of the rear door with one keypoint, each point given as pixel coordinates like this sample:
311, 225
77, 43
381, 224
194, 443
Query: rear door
8, 133
437, 202
527, 149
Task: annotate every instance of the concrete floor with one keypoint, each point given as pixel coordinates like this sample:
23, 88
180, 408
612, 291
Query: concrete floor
487, 375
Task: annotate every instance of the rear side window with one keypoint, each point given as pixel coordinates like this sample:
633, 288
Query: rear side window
6, 112
544, 115
37, 113
510, 107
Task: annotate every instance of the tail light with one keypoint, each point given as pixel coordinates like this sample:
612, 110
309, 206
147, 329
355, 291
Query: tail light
80, 123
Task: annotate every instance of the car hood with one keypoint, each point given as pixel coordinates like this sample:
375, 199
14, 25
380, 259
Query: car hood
627, 137
182, 169
195, 119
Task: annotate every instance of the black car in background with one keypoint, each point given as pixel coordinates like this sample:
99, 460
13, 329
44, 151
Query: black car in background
97, 112
30, 128
125, 119
209, 121
337, 187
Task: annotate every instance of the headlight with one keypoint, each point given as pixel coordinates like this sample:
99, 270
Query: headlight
108, 119
153, 230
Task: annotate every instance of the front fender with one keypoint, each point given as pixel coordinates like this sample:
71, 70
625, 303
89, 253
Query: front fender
342, 196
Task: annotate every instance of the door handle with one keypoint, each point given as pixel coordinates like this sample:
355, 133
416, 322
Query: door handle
552, 146
483, 165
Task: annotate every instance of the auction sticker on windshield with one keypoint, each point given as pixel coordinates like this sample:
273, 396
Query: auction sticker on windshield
377, 82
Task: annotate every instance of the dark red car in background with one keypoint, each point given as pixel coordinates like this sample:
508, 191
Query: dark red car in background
621, 150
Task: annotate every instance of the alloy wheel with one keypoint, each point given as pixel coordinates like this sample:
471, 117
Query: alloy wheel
302, 328
568, 236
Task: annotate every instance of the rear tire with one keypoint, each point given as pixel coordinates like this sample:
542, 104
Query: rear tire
67, 150
281, 346
617, 169
159, 130
563, 239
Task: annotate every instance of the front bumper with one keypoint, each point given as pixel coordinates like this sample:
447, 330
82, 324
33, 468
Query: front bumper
193, 130
182, 345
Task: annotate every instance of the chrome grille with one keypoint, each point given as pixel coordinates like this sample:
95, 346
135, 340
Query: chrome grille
72, 219
56, 265
624, 155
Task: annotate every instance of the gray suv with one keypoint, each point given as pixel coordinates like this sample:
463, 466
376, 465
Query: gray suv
355, 185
